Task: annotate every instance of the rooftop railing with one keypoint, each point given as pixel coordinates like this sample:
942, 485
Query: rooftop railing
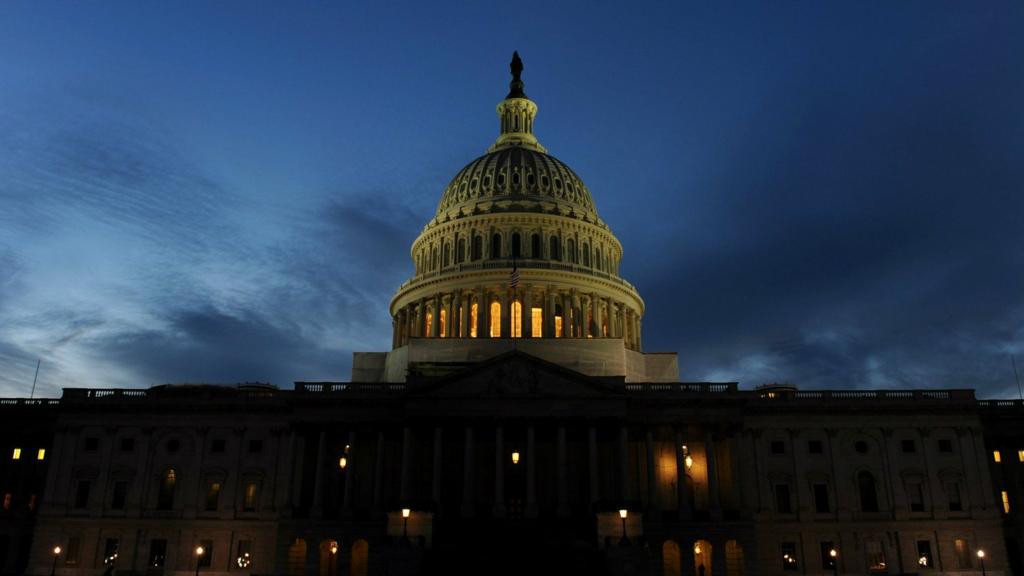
520, 264
29, 401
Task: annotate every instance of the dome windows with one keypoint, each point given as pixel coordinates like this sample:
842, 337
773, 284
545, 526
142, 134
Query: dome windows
544, 182
496, 246
531, 180
515, 178
487, 181
558, 184
555, 251
501, 180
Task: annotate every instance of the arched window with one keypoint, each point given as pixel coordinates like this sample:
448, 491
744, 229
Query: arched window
556, 254
496, 246
516, 246
472, 320
360, 565
165, 497
433, 257
537, 322
478, 247
733, 558
460, 251
444, 323
868, 493
297, 558
702, 558
670, 565
535, 246
586, 254
495, 319
570, 248
600, 263
558, 321
517, 319
428, 329
446, 257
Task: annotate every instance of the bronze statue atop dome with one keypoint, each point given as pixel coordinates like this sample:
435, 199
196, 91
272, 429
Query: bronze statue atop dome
516, 86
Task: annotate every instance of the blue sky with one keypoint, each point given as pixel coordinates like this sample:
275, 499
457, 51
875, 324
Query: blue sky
823, 193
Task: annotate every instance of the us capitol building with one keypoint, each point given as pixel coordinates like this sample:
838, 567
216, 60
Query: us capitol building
516, 426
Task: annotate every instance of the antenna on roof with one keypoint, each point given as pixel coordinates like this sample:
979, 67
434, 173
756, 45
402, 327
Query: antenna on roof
1016, 376
36, 377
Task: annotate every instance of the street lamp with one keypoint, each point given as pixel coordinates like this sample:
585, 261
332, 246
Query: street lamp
56, 554
515, 457
405, 524
199, 557
623, 513
981, 556
833, 553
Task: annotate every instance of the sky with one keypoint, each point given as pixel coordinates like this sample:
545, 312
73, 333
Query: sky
822, 193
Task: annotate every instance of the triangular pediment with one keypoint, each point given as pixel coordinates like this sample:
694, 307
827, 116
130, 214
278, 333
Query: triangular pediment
517, 374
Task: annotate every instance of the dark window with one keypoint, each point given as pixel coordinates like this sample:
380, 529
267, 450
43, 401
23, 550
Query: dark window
953, 491
515, 178
815, 447
501, 180
924, 554
110, 548
82, 494
244, 558
212, 496
117, 499
915, 494
206, 560
517, 249
460, 251
868, 493
788, 551
173, 445
908, 446
828, 562
74, 547
544, 181
962, 552
778, 447
496, 246
570, 250
478, 247
218, 445
535, 246
127, 444
945, 445
586, 254
531, 179
861, 447
255, 446
165, 498
782, 503
446, 255
92, 444
554, 249
821, 498
157, 553
250, 496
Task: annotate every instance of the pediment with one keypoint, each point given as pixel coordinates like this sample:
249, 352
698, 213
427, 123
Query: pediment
518, 375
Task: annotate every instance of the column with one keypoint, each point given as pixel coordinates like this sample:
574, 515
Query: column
378, 473
549, 314
639, 332
410, 322
455, 316
289, 504
404, 491
484, 315
563, 493
531, 474
318, 480
481, 312
506, 314
567, 315
350, 478
625, 328
585, 314
499, 472
623, 463
652, 487
466, 303
595, 303
192, 504
467, 474
709, 455
421, 319
577, 321
685, 512
435, 324
436, 491
592, 461
528, 312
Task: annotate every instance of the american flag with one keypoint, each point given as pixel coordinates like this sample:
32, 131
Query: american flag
513, 279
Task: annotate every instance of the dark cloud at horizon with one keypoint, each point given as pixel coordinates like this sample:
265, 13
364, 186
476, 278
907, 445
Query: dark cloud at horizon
824, 195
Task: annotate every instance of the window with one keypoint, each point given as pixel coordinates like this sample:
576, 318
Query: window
8, 498
496, 246
962, 552
996, 456
119, 496
32, 502
446, 255
218, 445
586, 255
782, 502
924, 554
815, 447
495, 331
460, 251
165, 498
915, 495
953, 493
778, 447
868, 493
1020, 455
828, 562
517, 248
41, 454
537, 322
127, 444
517, 319
1006, 501
110, 548
945, 445
788, 551
875, 556
555, 253
206, 560
16, 454
157, 553
251, 496
478, 247
74, 548
82, 494
570, 250
243, 559
255, 446
212, 496
535, 246
861, 447
443, 323
472, 320
908, 446
92, 444
821, 498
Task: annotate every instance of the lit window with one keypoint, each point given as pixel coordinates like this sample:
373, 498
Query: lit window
444, 323
558, 327
8, 497
251, 493
996, 456
1020, 455
495, 320
41, 454
472, 320
16, 455
537, 330
1006, 502
517, 319
430, 324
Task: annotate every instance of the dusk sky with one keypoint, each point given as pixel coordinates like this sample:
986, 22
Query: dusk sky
828, 194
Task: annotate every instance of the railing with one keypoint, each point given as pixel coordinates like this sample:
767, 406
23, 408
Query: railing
1001, 403
824, 395
350, 387
680, 387
29, 401
520, 264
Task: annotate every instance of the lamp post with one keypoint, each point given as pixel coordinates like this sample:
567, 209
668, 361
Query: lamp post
981, 556
834, 555
405, 524
623, 513
199, 557
56, 554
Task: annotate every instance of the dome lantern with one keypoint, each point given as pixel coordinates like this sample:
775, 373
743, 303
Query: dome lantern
516, 113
